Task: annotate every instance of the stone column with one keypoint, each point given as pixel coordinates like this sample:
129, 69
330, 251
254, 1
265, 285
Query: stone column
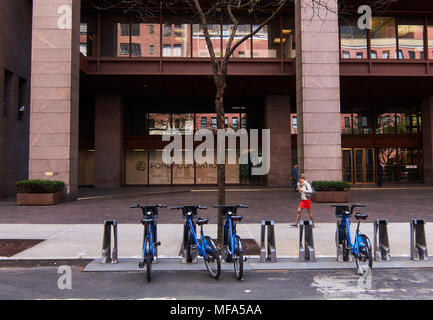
55, 92
109, 155
277, 119
318, 90
427, 138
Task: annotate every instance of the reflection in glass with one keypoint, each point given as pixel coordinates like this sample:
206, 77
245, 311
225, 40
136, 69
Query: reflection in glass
385, 123
157, 123
346, 123
184, 122
146, 40
123, 40
383, 39
206, 173
362, 120
176, 41
159, 172
388, 160
347, 165
406, 120
267, 42
183, 173
200, 49
136, 167
411, 38
353, 40
244, 50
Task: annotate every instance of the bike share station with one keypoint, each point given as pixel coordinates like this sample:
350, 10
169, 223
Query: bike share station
353, 250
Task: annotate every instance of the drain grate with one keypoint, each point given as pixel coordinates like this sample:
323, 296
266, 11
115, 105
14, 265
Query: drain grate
11, 247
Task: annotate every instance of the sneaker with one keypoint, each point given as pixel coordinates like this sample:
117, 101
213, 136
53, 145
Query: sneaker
294, 225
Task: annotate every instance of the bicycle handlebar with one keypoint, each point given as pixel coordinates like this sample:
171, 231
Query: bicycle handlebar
143, 207
227, 206
183, 207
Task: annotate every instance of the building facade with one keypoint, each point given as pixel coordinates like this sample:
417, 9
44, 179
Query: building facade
339, 101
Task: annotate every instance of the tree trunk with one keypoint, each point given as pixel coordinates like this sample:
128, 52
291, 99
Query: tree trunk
221, 171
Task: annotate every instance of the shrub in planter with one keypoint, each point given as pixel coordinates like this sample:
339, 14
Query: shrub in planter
39, 192
330, 191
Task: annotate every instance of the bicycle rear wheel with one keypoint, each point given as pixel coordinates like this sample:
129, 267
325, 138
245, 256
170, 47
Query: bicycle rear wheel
149, 259
364, 259
213, 261
238, 258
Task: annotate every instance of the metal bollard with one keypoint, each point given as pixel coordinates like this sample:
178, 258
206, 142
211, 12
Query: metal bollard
268, 251
381, 241
306, 243
184, 248
341, 256
418, 243
109, 256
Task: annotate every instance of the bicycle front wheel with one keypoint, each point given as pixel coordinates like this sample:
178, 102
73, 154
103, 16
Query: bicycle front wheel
149, 259
238, 258
213, 261
364, 259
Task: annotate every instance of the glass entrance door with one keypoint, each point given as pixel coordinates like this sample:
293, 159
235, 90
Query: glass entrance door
347, 165
364, 165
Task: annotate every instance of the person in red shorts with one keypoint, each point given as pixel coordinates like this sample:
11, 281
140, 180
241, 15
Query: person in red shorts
303, 188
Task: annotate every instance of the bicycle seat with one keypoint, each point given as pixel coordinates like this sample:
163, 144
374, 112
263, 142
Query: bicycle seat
361, 216
236, 218
201, 221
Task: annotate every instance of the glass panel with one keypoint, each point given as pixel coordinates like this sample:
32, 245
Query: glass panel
353, 40
383, 38
287, 35
157, 123
359, 172
346, 123
385, 121
347, 166
362, 120
411, 37
244, 50
369, 165
244, 120
183, 122
136, 167
206, 173
123, 46
388, 160
183, 173
86, 168
176, 40
406, 120
430, 37
199, 42
204, 120
266, 43
409, 165
159, 172
145, 39
293, 123
232, 170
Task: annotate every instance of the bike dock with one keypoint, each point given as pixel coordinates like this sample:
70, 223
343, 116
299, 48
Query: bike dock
108, 255
268, 251
418, 243
306, 241
381, 246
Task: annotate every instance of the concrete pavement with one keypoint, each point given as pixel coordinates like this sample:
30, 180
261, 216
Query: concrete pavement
84, 241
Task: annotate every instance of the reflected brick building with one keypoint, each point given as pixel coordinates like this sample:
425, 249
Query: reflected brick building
86, 93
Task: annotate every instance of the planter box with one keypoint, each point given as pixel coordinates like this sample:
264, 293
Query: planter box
39, 199
331, 196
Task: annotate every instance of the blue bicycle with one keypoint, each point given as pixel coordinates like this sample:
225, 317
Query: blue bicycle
150, 213
361, 248
206, 247
232, 244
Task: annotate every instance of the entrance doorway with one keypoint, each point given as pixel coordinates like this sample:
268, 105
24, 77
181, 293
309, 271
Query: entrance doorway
358, 165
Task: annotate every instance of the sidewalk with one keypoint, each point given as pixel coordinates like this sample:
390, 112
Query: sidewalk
84, 241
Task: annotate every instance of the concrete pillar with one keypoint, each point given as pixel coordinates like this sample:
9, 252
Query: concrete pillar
277, 119
427, 138
109, 153
55, 92
318, 90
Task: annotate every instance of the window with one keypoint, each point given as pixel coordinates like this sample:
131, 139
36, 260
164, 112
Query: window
383, 37
203, 122
359, 55
400, 54
135, 29
151, 49
373, 54
346, 122
124, 29
412, 55
214, 122
295, 122
352, 39
136, 49
411, 37
83, 49
241, 54
226, 122
235, 121
151, 29
83, 28
124, 49
167, 30
177, 50
166, 50
22, 93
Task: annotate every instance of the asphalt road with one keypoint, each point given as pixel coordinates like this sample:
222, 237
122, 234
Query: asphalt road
42, 283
